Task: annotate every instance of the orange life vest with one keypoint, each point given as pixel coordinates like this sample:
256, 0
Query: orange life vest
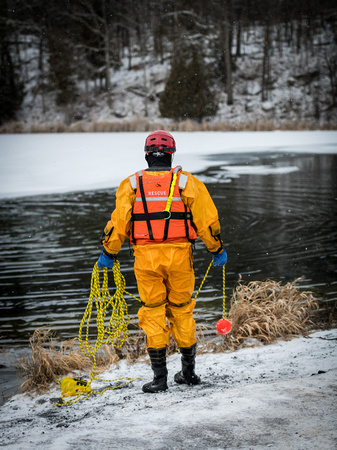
150, 222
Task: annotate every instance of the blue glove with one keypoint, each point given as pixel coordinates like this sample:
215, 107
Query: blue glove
219, 258
105, 261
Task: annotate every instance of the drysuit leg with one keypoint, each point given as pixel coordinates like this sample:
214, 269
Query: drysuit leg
165, 279
182, 323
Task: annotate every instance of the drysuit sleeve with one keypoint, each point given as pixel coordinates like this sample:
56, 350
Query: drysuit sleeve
205, 215
119, 225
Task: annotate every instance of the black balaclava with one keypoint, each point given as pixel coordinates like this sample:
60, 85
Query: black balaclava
159, 162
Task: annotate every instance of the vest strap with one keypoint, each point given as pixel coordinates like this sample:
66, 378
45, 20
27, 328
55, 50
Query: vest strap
155, 305
148, 195
141, 187
181, 304
162, 215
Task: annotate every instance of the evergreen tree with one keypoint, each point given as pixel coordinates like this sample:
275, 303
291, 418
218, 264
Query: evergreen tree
61, 68
11, 87
187, 94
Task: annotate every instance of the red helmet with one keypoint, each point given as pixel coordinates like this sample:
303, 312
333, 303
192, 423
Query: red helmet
160, 141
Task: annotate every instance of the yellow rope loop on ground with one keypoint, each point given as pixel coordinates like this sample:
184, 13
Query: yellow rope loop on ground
83, 397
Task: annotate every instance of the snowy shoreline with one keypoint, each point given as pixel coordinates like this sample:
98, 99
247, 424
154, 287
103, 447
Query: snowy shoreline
277, 396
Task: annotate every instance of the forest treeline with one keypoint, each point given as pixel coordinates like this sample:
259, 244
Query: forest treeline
80, 43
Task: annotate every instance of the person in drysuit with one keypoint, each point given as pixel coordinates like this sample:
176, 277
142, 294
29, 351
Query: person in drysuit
162, 210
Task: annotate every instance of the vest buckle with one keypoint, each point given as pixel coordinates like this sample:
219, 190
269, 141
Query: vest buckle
168, 216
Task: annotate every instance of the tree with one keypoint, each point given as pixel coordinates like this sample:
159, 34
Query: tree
97, 19
61, 70
266, 63
223, 20
11, 87
331, 63
187, 94
227, 30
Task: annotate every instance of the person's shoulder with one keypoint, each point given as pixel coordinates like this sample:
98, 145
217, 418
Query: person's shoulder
189, 175
190, 181
130, 181
186, 173
133, 180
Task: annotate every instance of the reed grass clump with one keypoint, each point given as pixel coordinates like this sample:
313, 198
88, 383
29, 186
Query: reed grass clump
50, 359
268, 311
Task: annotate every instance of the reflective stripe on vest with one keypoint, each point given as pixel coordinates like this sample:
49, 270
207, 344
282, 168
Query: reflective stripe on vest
150, 220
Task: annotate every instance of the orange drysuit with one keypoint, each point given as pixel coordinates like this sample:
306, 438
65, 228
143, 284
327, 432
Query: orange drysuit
164, 268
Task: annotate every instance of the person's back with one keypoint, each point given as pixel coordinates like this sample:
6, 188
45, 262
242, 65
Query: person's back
162, 211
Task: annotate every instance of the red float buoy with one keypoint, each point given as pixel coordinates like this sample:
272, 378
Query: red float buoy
223, 326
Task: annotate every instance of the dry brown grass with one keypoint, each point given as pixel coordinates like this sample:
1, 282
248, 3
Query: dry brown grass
50, 359
268, 311
264, 311
144, 125
12, 127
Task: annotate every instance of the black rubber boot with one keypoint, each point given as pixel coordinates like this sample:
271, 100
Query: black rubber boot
158, 365
187, 374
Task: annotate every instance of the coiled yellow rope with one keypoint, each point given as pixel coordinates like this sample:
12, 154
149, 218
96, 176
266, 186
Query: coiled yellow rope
115, 332
117, 329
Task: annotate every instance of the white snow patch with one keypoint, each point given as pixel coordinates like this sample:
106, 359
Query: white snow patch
259, 170
267, 106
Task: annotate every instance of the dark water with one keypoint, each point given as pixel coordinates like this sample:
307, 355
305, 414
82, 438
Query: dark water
279, 225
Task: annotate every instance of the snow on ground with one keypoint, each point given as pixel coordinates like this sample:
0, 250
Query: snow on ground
52, 163
281, 396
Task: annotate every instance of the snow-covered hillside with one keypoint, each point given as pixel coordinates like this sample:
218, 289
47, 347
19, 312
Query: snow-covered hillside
301, 88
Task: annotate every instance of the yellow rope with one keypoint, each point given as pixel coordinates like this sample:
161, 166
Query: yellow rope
85, 396
208, 269
223, 287
223, 292
115, 332
170, 197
